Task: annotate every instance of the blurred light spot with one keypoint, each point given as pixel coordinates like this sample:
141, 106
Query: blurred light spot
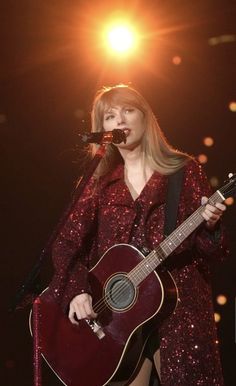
176, 60
229, 201
216, 341
3, 118
202, 158
232, 106
208, 141
217, 317
221, 39
214, 181
221, 299
79, 113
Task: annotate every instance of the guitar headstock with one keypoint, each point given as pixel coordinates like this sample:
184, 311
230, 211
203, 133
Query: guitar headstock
229, 189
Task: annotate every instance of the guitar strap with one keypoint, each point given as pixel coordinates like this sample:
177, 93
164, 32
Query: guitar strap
173, 193
174, 186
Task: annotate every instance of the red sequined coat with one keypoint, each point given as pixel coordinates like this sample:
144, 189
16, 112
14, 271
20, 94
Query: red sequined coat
105, 215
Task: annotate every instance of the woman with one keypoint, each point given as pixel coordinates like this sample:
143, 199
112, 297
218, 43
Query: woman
124, 202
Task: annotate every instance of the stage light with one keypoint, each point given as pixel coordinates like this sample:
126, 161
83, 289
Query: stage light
208, 141
221, 299
120, 38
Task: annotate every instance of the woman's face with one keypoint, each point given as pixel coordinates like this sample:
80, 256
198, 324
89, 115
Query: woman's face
127, 118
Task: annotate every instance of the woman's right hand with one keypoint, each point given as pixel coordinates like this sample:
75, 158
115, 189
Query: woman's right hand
81, 308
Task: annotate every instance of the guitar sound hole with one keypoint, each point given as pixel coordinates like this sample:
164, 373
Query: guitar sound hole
120, 292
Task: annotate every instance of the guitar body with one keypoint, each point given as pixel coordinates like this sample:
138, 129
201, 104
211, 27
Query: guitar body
91, 354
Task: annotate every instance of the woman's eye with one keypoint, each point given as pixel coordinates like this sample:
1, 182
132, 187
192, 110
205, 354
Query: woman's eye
129, 110
109, 117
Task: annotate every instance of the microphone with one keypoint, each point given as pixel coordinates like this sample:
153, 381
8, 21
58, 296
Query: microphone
115, 136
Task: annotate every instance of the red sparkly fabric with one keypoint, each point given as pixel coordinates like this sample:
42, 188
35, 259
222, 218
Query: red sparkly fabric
105, 215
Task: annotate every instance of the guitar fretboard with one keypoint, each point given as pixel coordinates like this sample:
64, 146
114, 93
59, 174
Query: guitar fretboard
167, 246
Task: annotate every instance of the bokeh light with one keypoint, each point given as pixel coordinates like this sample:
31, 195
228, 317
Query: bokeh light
202, 158
177, 60
221, 300
217, 317
221, 39
229, 201
232, 106
208, 141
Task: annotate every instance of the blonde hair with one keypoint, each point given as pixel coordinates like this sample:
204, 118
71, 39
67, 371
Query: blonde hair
157, 152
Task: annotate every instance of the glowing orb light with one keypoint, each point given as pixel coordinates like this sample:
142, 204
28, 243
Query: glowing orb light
121, 38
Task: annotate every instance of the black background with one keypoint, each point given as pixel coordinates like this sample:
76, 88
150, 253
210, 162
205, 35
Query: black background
51, 64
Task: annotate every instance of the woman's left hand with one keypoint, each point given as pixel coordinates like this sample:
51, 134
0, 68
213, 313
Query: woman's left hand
212, 213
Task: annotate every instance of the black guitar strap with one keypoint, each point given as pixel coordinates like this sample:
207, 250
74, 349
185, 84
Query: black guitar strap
173, 193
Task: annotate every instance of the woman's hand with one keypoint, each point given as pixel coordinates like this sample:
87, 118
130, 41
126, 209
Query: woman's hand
81, 308
212, 213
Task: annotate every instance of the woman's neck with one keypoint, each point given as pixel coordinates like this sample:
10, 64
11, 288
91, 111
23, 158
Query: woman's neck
133, 159
137, 170
136, 164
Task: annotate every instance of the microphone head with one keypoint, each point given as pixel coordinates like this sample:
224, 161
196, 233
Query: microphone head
118, 136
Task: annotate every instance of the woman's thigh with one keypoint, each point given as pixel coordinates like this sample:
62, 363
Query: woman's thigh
143, 376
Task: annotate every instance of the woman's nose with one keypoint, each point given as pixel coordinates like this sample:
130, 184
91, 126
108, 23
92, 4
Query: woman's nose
120, 118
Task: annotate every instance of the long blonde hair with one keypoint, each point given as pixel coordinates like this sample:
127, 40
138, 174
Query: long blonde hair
161, 156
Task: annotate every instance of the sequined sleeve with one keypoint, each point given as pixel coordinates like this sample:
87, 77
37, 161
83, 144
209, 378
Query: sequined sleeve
211, 244
72, 249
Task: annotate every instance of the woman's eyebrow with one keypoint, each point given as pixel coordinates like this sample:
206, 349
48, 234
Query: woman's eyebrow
110, 110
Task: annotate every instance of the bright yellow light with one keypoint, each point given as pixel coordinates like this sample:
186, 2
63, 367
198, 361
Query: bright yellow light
121, 38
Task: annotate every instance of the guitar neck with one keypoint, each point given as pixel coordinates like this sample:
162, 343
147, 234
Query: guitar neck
167, 246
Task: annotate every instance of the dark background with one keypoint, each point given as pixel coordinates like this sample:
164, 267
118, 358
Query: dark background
51, 64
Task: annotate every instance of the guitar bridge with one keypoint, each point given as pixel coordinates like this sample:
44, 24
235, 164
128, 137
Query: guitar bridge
96, 328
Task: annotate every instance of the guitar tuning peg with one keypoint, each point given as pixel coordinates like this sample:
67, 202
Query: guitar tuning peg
230, 175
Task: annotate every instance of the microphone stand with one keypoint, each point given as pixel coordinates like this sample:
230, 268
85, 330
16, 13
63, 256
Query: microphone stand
30, 282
